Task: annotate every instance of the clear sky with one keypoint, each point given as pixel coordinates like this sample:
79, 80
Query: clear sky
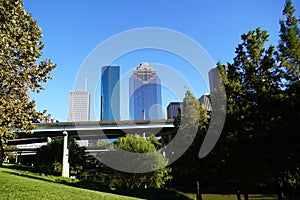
73, 29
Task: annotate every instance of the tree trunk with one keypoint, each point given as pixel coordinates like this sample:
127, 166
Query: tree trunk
1, 152
279, 191
238, 195
246, 196
199, 195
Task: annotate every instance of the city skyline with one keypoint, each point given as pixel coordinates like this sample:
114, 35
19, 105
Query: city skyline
144, 91
158, 105
77, 28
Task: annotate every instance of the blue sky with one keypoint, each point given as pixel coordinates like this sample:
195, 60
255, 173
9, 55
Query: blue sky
73, 29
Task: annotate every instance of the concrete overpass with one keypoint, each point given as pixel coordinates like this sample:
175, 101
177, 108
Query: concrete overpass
99, 129
93, 130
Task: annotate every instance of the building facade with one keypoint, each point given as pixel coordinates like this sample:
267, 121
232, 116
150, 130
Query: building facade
110, 93
213, 76
206, 103
79, 106
145, 94
173, 109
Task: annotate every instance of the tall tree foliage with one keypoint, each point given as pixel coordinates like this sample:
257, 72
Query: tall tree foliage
259, 142
260, 133
188, 169
289, 48
20, 48
49, 158
250, 85
289, 43
154, 179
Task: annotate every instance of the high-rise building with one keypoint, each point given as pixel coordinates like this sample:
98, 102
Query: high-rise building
213, 79
79, 106
145, 93
110, 93
206, 103
173, 109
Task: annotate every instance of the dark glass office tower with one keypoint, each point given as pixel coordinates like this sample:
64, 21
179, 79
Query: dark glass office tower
110, 93
145, 94
173, 109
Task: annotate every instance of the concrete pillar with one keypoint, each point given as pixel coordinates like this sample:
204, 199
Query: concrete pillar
49, 139
65, 161
19, 158
16, 161
163, 142
163, 146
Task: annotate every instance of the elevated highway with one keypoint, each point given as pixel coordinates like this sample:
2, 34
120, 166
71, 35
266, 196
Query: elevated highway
92, 130
96, 129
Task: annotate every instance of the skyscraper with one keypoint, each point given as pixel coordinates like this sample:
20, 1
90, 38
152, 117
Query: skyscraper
79, 106
110, 93
173, 109
145, 93
213, 78
206, 103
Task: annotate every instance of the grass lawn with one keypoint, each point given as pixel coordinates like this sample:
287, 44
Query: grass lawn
14, 186
18, 183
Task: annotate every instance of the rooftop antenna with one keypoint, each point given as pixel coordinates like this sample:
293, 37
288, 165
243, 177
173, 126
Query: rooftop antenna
85, 80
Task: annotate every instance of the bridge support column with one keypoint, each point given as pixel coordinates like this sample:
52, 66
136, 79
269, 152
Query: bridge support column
163, 146
65, 161
163, 142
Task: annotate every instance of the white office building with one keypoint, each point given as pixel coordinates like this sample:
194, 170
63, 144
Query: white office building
79, 106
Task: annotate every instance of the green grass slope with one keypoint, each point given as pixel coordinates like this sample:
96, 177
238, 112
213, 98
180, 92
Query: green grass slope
149, 194
20, 183
14, 185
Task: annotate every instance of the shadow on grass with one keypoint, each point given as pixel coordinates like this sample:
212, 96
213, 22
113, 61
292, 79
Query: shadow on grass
150, 194
27, 176
261, 196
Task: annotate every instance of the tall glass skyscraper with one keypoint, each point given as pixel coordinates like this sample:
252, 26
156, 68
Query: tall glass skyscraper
110, 93
145, 94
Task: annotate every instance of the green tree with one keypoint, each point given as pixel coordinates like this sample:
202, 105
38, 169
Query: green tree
252, 88
49, 158
289, 49
155, 142
289, 44
189, 169
155, 179
20, 48
189, 120
261, 129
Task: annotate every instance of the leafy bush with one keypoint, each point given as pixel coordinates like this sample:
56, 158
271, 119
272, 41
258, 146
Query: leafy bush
49, 158
154, 179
